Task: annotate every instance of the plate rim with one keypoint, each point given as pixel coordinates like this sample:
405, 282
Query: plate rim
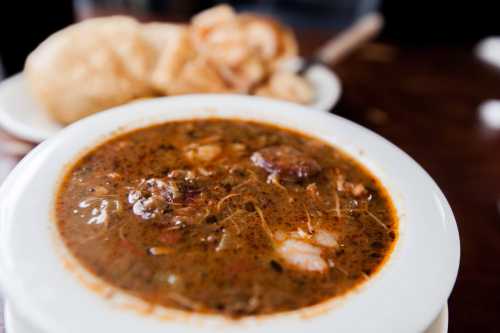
321, 76
10, 124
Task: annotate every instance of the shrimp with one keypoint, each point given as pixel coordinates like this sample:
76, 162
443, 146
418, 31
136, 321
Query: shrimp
325, 238
204, 153
302, 251
302, 255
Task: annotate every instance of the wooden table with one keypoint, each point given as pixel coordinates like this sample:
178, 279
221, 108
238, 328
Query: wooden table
425, 100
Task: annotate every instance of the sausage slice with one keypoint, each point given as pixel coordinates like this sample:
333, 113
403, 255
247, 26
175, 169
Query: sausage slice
286, 162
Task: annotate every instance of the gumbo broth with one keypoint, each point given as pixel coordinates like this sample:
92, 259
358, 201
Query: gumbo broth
225, 216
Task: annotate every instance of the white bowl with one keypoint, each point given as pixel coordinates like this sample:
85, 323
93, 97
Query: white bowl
405, 296
14, 324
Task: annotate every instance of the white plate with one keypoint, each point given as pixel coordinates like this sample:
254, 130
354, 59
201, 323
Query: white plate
23, 117
405, 296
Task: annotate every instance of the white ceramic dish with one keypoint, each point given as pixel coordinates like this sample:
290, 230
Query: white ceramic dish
405, 296
23, 117
16, 324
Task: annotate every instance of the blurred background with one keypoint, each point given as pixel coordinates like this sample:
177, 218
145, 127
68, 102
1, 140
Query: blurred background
410, 22
420, 84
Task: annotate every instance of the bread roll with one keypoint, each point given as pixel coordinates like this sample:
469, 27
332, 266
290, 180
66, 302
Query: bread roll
173, 50
104, 62
90, 66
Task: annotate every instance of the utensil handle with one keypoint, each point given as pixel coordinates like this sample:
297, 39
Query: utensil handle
365, 29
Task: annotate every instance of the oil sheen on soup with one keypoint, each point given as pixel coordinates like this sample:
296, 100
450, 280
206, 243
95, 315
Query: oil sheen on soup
225, 216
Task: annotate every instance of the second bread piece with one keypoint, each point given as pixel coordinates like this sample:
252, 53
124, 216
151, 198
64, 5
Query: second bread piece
90, 66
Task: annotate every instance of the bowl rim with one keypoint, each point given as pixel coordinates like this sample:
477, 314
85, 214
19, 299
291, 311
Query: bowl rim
395, 299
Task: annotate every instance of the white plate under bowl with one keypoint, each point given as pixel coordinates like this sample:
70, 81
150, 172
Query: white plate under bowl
25, 118
405, 296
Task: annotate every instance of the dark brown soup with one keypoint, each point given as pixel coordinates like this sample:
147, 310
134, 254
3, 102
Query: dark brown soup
225, 216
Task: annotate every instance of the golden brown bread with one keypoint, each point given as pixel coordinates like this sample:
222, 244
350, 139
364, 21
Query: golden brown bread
104, 62
288, 86
171, 50
90, 66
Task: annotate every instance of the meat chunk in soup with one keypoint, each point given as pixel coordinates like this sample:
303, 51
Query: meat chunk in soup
154, 196
286, 162
151, 198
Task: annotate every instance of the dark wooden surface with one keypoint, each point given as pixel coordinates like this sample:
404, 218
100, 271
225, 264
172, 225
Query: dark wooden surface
425, 100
